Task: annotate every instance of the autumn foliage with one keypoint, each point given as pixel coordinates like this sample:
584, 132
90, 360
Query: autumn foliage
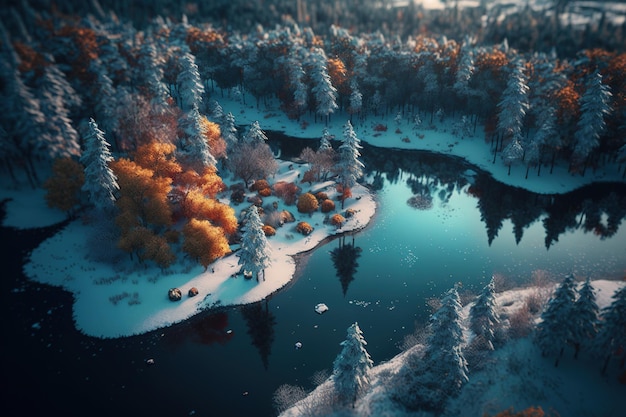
287, 191
307, 203
304, 228
337, 220
204, 242
529, 412
327, 206
63, 187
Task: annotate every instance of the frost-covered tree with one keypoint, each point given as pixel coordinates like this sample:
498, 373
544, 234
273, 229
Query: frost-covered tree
323, 90
255, 134
349, 167
100, 181
610, 340
194, 144
325, 140
152, 75
594, 106
190, 87
514, 103
555, 330
351, 367
229, 131
254, 255
484, 316
356, 98
105, 95
465, 69
585, 317
427, 382
512, 153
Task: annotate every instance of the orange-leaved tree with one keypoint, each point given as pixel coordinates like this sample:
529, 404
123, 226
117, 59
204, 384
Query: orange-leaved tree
307, 203
204, 242
63, 188
159, 158
196, 205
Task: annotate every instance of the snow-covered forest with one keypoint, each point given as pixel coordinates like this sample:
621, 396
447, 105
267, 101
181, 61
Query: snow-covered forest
113, 108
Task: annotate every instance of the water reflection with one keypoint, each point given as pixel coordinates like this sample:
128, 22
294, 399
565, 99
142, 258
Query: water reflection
344, 258
260, 322
597, 208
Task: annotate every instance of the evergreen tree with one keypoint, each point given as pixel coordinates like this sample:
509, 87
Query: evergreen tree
556, 327
229, 131
190, 88
611, 337
254, 255
352, 365
484, 316
152, 75
594, 106
255, 134
325, 141
465, 69
356, 98
324, 91
350, 167
585, 316
194, 144
513, 104
105, 95
442, 370
100, 181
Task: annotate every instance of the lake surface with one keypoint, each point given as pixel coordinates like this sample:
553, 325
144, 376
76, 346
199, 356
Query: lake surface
228, 363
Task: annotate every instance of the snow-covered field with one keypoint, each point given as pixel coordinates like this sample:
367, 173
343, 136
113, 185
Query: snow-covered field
134, 300
513, 376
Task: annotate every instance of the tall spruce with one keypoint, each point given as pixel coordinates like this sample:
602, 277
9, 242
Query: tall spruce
352, 366
254, 255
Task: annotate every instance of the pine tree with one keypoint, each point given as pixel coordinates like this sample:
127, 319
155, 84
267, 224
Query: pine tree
556, 328
229, 131
255, 134
194, 144
442, 370
611, 337
352, 365
324, 91
594, 106
190, 88
325, 141
100, 181
350, 167
513, 104
254, 255
484, 316
585, 316
105, 95
152, 75
356, 98
465, 69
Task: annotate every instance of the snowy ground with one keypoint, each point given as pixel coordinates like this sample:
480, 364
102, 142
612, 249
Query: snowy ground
515, 375
134, 299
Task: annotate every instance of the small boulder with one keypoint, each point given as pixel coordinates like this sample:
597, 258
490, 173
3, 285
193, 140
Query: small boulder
174, 294
321, 308
193, 291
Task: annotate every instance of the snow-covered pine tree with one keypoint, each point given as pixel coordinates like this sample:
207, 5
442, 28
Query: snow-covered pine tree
350, 166
324, 91
351, 367
484, 316
512, 153
151, 67
106, 106
59, 138
100, 181
190, 87
254, 255
442, 370
585, 317
325, 140
465, 69
229, 131
356, 98
555, 330
255, 134
513, 104
594, 106
610, 341
195, 145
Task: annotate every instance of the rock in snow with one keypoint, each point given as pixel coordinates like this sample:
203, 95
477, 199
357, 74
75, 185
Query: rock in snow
321, 308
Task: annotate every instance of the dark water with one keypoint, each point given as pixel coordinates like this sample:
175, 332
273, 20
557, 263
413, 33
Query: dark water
228, 363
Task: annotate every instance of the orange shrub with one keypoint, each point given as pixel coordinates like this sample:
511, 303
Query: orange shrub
287, 191
304, 228
337, 220
328, 206
265, 192
269, 230
307, 203
321, 196
259, 185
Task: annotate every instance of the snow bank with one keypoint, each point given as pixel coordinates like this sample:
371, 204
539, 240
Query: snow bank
114, 299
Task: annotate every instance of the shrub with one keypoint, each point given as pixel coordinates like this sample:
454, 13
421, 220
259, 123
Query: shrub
269, 230
307, 203
256, 200
287, 217
380, 128
259, 185
287, 191
265, 192
337, 220
273, 218
237, 196
327, 206
521, 322
321, 196
304, 228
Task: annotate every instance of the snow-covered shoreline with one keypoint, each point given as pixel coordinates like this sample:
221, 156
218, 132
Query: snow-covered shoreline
134, 300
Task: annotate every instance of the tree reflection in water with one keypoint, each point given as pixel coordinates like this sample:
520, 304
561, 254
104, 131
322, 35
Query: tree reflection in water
260, 322
344, 259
